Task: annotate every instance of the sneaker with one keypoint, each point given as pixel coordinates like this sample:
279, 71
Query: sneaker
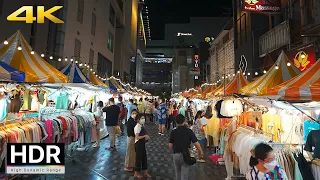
162, 134
201, 161
96, 145
159, 133
110, 148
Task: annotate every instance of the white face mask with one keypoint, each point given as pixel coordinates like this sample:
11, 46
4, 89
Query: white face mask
142, 121
271, 165
133, 116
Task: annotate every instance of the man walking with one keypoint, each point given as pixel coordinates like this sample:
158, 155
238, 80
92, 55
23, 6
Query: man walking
122, 115
112, 119
180, 140
162, 116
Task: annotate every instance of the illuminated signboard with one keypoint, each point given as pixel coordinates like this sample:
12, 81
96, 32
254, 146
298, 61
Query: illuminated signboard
268, 6
184, 34
196, 63
303, 57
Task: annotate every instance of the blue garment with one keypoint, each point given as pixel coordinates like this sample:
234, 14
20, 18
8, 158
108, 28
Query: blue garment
309, 126
162, 112
130, 107
88, 135
4, 108
62, 101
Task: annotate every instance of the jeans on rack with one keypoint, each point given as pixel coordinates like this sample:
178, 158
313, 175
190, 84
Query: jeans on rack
112, 135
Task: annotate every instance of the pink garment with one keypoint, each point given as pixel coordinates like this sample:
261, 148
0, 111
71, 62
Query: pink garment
94, 133
215, 158
75, 129
49, 128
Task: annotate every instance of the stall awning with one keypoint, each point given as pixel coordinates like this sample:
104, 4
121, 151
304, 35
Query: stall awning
17, 54
8, 73
305, 87
277, 74
74, 73
233, 87
94, 79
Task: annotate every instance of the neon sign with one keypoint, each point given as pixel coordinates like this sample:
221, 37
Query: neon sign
196, 63
262, 5
184, 34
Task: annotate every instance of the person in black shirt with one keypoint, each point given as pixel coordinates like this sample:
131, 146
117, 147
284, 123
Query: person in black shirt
112, 118
180, 139
131, 154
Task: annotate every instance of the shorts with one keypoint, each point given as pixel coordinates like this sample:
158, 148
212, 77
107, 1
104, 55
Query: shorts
162, 121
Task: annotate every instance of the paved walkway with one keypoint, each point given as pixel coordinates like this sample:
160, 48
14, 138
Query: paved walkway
99, 164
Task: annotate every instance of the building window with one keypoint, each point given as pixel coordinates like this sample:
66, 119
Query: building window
112, 15
104, 67
80, 11
93, 24
91, 57
110, 41
77, 49
1, 6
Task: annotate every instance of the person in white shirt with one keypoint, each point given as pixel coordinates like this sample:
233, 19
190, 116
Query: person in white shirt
264, 165
100, 122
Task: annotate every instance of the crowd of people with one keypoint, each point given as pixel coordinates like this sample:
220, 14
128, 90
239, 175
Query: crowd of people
187, 136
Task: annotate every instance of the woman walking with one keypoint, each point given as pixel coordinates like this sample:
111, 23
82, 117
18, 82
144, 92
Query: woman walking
131, 153
199, 132
140, 147
100, 123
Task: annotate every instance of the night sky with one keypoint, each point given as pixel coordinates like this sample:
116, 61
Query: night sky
179, 11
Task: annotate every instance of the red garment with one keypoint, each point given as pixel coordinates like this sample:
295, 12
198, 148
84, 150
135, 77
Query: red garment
175, 112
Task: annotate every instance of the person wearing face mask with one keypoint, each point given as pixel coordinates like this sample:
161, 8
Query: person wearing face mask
141, 138
264, 165
131, 153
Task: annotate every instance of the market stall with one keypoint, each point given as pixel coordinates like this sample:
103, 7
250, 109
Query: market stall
8, 73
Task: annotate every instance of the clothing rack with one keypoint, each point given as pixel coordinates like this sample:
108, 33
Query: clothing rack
257, 130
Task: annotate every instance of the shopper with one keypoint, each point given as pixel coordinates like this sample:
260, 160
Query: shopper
141, 106
170, 117
182, 110
180, 140
141, 138
122, 115
162, 116
191, 112
175, 114
130, 106
131, 153
148, 111
199, 132
112, 119
264, 165
100, 122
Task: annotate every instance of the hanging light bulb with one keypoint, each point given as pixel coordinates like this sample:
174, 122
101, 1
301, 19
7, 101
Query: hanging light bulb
288, 64
80, 64
249, 74
76, 62
264, 71
66, 59
59, 59
42, 55
277, 67
96, 75
238, 72
5, 42
19, 48
94, 72
71, 59
244, 73
85, 64
234, 74
32, 52
256, 73
51, 57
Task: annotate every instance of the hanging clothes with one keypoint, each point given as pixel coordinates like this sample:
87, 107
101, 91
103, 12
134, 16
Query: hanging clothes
62, 101
272, 123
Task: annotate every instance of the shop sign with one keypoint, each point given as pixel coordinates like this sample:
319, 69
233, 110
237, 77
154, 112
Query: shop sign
184, 34
196, 63
269, 6
303, 57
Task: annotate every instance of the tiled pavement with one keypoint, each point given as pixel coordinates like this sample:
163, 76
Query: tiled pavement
99, 164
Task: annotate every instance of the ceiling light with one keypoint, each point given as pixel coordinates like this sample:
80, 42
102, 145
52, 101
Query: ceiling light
5, 42
42, 55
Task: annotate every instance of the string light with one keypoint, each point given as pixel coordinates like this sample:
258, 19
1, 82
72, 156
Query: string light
244, 73
264, 71
94, 72
277, 67
238, 71
59, 59
85, 64
32, 52
19, 48
80, 64
249, 74
76, 62
91, 69
66, 59
234, 75
256, 73
288, 64
42, 55
71, 59
51, 57
96, 75
5, 42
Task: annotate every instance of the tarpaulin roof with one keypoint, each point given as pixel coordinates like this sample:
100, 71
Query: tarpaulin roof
8, 73
74, 73
233, 86
276, 75
94, 79
17, 54
305, 86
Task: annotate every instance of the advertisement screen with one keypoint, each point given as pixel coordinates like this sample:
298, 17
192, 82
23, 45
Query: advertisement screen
263, 6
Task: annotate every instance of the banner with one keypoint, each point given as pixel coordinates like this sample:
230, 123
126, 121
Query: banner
303, 57
263, 6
